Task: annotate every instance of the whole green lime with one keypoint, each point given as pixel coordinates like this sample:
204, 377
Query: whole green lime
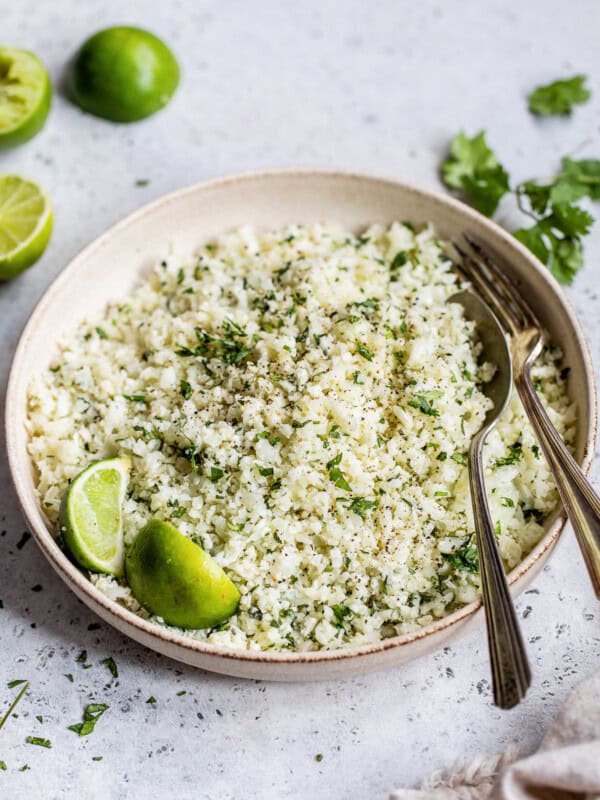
123, 74
174, 578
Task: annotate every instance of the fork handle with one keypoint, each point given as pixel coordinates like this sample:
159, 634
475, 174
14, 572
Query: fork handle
511, 675
581, 503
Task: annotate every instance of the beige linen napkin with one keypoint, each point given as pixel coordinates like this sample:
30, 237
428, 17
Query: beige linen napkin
566, 766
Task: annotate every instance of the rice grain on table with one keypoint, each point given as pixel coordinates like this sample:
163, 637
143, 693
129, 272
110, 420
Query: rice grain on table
300, 402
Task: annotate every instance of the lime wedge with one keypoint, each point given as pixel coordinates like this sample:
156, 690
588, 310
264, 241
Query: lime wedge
91, 518
25, 96
25, 224
175, 579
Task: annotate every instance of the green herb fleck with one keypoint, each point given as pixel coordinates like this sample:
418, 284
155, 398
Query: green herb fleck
14, 704
365, 352
340, 612
185, 390
91, 715
110, 663
336, 475
360, 505
101, 333
37, 740
515, 452
265, 471
136, 398
465, 557
423, 402
215, 474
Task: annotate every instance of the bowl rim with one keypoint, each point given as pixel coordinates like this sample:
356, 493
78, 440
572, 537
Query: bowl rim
111, 609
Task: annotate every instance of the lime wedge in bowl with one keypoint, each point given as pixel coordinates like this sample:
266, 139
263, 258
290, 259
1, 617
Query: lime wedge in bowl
91, 519
25, 224
175, 579
25, 96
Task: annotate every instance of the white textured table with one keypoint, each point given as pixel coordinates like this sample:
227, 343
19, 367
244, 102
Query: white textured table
376, 87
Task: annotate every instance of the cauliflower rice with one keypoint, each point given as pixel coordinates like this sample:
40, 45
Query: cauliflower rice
300, 403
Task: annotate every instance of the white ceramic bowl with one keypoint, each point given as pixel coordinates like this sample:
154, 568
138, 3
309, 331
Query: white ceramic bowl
111, 266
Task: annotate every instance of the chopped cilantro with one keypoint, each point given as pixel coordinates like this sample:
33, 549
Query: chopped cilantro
508, 502
319, 757
91, 715
215, 474
340, 612
110, 663
336, 475
360, 505
399, 260
459, 458
465, 557
151, 700
37, 740
136, 398
185, 390
365, 352
14, 703
423, 400
515, 452
265, 471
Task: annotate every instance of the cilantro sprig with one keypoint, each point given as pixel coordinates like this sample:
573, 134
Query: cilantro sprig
559, 97
559, 225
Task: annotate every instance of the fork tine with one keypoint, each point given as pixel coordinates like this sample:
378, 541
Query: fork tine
474, 274
519, 300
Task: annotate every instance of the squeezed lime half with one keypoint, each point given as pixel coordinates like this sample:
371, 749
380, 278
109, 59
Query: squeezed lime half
91, 518
25, 224
123, 74
25, 96
175, 579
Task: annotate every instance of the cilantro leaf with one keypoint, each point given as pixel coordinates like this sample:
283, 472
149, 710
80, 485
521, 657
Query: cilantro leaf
577, 179
474, 169
559, 97
556, 240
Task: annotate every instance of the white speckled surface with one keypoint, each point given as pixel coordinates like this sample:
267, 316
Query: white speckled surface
379, 88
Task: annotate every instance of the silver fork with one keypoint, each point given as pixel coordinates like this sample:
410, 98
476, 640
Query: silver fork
581, 503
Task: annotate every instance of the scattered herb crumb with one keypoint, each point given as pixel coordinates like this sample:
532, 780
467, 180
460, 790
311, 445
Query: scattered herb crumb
37, 740
91, 715
110, 663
